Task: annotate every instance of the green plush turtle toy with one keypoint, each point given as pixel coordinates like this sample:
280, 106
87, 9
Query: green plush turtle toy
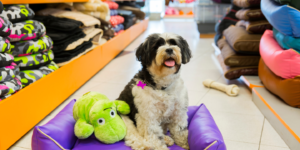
95, 113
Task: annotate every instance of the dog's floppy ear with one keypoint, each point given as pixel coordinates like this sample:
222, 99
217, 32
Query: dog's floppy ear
139, 52
186, 53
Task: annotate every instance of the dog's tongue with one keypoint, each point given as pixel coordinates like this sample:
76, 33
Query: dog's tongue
170, 63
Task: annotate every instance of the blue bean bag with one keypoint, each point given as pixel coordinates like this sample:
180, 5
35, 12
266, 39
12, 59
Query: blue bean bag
287, 42
284, 18
58, 133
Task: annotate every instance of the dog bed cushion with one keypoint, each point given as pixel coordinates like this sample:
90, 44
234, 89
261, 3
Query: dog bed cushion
5, 27
236, 72
293, 3
287, 89
90, 33
136, 11
113, 12
246, 3
242, 41
73, 58
287, 42
92, 6
83, 18
228, 20
8, 73
250, 14
203, 133
97, 14
60, 24
10, 87
255, 27
285, 19
4, 45
17, 13
26, 30
6, 59
284, 63
118, 27
34, 46
30, 76
64, 56
34, 61
4, 97
232, 59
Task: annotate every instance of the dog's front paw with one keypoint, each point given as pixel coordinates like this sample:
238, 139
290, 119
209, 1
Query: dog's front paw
185, 146
168, 140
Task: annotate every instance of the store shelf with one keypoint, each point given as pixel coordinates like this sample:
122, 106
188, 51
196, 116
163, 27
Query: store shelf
179, 16
39, 1
22, 111
283, 118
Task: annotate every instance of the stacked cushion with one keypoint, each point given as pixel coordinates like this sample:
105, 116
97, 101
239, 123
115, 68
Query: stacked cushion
250, 14
232, 59
285, 19
17, 13
69, 44
240, 45
293, 3
26, 30
228, 20
242, 41
10, 87
286, 89
41, 44
78, 16
9, 72
246, 3
27, 42
287, 42
255, 27
97, 9
35, 60
283, 63
235, 72
30, 76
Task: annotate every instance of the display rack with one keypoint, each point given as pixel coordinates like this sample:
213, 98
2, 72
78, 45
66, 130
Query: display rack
39, 1
22, 111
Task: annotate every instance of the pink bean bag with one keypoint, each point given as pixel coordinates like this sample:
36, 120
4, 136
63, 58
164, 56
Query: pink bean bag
284, 63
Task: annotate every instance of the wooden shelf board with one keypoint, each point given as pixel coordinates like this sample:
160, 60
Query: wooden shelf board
179, 16
39, 1
22, 111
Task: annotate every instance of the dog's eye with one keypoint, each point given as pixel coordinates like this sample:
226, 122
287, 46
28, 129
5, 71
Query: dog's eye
172, 42
112, 113
101, 121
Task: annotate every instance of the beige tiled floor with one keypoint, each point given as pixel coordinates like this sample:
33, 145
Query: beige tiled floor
241, 123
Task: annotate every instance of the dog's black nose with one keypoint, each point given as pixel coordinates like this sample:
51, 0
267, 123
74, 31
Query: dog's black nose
169, 51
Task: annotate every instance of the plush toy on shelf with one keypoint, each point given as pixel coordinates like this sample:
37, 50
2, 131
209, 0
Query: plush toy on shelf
95, 113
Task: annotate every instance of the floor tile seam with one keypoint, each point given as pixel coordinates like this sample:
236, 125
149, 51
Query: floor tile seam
274, 146
234, 113
262, 130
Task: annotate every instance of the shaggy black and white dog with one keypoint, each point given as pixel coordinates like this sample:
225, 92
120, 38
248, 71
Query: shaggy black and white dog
161, 104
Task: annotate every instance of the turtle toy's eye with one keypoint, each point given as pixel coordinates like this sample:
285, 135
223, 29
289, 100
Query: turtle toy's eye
112, 113
101, 121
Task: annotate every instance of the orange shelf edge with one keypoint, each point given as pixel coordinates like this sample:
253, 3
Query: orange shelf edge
22, 111
39, 1
250, 85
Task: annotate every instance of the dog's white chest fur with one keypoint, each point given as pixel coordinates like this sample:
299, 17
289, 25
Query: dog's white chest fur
160, 104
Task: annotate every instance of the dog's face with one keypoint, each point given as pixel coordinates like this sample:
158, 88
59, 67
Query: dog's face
163, 54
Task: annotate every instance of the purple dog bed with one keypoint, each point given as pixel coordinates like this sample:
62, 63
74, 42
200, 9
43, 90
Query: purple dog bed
58, 134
